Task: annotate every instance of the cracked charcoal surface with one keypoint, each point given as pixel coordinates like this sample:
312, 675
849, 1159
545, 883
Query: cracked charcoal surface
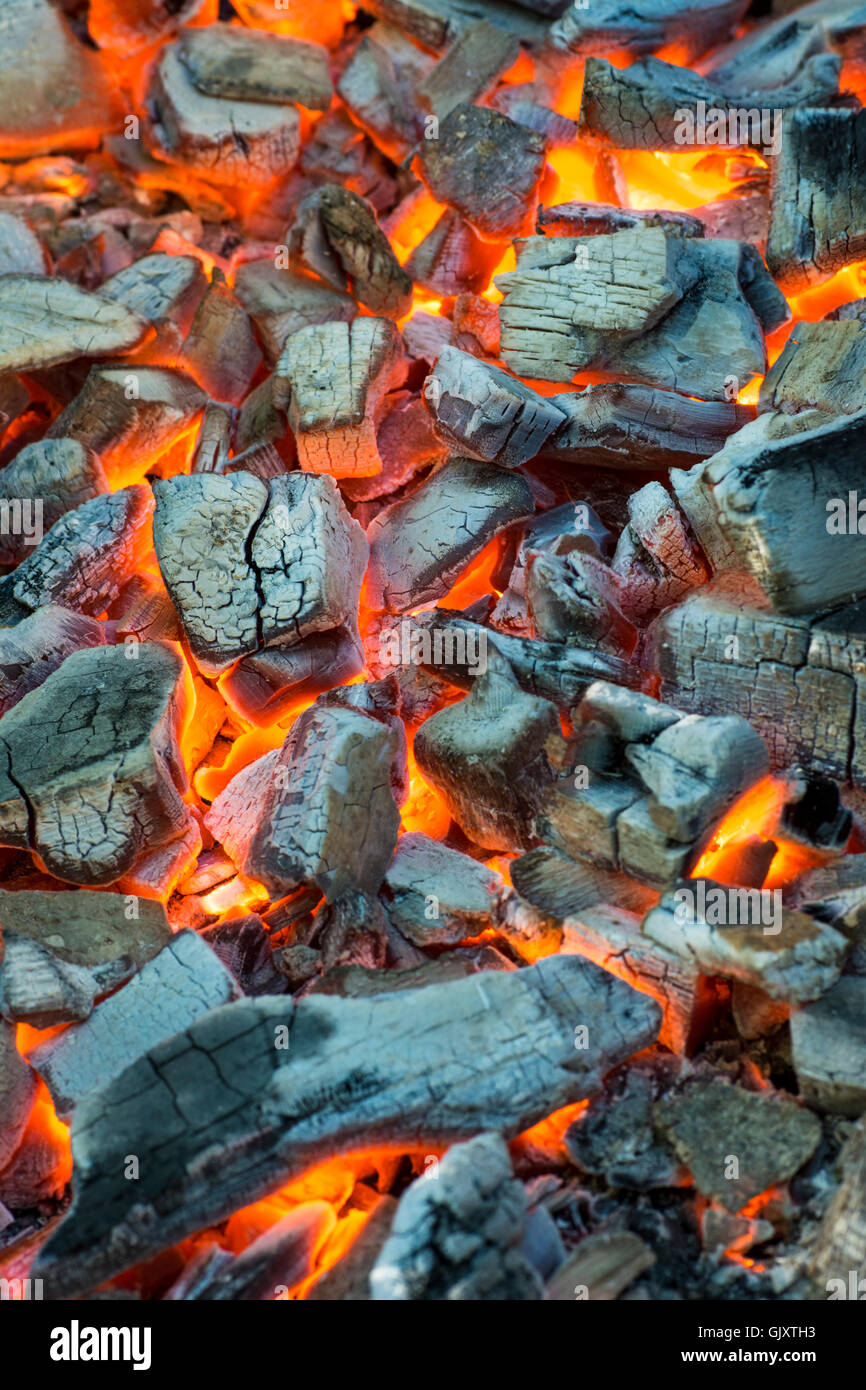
90, 764
45, 321
84, 560
456, 1232
220, 1116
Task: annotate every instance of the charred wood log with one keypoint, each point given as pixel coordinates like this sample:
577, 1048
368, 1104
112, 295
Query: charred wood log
436, 1252
379, 86
492, 756
84, 560
130, 416
336, 236
487, 167
180, 984
165, 290
818, 209
37, 645
642, 305
49, 478
654, 105
289, 556
645, 26
787, 511
229, 142
331, 379
279, 302
45, 321
829, 375
481, 411
241, 64
220, 350
828, 1042
793, 957
93, 768
452, 259
468, 71
321, 810
437, 896
183, 1097
419, 545
634, 427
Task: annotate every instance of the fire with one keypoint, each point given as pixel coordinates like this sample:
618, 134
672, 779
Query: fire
757, 813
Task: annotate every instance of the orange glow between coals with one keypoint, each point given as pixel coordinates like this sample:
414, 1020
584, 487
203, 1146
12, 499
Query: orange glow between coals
757, 813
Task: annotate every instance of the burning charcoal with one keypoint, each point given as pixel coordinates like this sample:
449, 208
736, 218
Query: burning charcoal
130, 416
37, 645
331, 378
335, 235
451, 258
284, 1110
290, 556
818, 216
840, 1245
575, 599
165, 290
109, 936
447, 644
711, 1122
17, 1093
280, 1258
483, 412
425, 335
612, 938
787, 511
735, 933
558, 887
679, 313
340, 759
157, 872
721, 1232
261, 687
245, 143
56, 94
180, 984
244, 947
631, 716
604, 1264
813, 814
220, 350
435, 26
216, 435
437, 896
352, 932
490, 756
338, 826
406, 444
381, 699
419, 545
249, 66
822, 366
279, 302
51, 477
468, 71
595, 219
695, 769
93, 764
40, 1169
488, 168
642, 107
635, 427
457, 1233
476, 325
645, 26
349, 1279
560, 531
21, 251
828, 1041
300, 965
39, 988
378, 86
84, 560
615, 1138
45, 321
755, 1014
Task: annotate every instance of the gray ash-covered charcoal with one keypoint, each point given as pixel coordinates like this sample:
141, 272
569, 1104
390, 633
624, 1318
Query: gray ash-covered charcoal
44, 321
481, 411
488, 168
